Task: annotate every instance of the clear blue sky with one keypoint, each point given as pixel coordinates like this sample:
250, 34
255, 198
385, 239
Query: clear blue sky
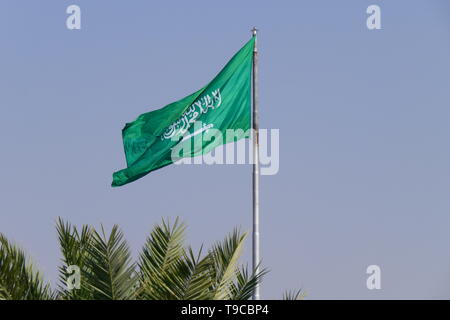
363, 117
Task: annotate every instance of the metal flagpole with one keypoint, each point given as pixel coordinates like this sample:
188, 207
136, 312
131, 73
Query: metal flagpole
255, 126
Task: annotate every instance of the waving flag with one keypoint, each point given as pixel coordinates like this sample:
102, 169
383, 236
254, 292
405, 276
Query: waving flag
225, 103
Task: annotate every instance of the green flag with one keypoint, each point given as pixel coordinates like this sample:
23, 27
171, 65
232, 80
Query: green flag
151, 141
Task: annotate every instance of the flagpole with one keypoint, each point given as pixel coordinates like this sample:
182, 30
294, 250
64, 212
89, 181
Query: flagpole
255, 126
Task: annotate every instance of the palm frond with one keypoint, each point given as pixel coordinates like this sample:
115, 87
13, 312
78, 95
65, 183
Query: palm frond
245, 284
225, 257
111, 274
4, 295
18, 278
198, 283
162, 267
74, 247
294, 295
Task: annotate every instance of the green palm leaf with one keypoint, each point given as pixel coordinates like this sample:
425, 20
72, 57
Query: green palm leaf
18, 279
74, 247
4, 295
111, 274
245, 283
161, 264
225, 257
294, 295
199, 281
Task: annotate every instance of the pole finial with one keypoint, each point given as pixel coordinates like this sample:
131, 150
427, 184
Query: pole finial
254, 31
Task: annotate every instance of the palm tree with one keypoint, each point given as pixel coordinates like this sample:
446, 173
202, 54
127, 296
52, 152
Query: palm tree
294, 295
18, 278
166, 269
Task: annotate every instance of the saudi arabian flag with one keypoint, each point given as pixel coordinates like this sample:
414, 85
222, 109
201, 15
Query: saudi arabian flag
161, 137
